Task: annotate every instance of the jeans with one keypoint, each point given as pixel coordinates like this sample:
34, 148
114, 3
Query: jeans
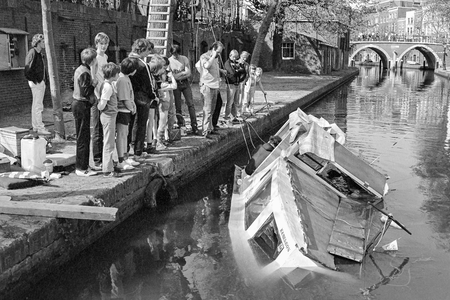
97, 135
109, 134
216, 114
209, 105
233, 105
38, 91
82, 114
187, 93
142, 111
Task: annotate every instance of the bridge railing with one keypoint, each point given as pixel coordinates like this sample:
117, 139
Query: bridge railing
402, 38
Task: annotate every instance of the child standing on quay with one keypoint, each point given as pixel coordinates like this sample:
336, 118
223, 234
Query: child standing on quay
166, 102
83, 99
254, 78
126, 107
101, 43
108, 114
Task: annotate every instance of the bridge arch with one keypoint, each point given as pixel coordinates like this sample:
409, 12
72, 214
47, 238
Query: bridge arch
384, 56
429, 54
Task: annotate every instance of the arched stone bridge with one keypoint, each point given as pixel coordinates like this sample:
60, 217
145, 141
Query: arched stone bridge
391, 53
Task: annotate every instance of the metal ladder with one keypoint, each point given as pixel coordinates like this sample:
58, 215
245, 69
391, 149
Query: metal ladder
159, 25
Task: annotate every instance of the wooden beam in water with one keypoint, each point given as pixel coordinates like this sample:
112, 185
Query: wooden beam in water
96, 213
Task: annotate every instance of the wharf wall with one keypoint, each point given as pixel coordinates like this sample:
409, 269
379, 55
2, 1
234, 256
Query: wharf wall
442, 73
48, 243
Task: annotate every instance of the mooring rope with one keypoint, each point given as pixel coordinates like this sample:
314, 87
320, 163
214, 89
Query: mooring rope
246, 145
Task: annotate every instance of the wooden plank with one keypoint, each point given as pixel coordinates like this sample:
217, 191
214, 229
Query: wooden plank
348, 236
58, 210
342, 227
346, 253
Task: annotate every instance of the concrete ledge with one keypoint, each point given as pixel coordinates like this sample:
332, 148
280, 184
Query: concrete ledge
45, 243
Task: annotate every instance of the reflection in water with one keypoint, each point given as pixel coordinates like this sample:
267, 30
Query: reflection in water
397, 122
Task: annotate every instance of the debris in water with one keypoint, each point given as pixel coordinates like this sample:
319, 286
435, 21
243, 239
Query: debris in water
392, 246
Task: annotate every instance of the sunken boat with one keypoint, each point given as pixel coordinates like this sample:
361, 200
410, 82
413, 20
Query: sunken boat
310, 201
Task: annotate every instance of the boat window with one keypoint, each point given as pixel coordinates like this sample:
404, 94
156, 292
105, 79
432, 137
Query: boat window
267, 243
313, 161
257, 203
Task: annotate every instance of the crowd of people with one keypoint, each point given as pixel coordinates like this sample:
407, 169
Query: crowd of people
138, 103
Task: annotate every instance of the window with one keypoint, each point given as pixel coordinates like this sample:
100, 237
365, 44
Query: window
257, 203
287, 50
13, 48
266, 243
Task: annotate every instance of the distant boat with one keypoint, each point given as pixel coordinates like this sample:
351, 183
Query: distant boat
306, 203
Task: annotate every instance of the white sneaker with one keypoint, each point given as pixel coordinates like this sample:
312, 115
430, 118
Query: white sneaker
160, 146
141, 158
96, 167
124, 166
131, 162
85, 173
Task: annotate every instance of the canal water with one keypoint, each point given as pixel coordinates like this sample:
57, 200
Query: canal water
397, 121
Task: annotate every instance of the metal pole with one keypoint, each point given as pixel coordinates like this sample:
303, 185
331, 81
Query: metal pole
444, 67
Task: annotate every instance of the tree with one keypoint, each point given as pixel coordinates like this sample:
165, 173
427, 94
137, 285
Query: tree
436, 19
265, 25
52, 70
327, 18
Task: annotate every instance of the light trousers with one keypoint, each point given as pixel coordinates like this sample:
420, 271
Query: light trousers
209, 105
121, 139
37, 107
109, 144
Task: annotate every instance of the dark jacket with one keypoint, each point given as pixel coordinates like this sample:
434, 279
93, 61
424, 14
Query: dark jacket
144, 92
235, 71
260, 155
35, 66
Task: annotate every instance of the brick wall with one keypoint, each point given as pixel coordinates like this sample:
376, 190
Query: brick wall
74, 28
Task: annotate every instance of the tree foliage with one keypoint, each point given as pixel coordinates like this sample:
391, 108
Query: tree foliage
335, 16
436, 17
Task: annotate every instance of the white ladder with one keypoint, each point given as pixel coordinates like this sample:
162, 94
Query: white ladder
159, 25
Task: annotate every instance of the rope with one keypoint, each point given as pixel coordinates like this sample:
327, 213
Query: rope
254, 131
246, 145
250, 136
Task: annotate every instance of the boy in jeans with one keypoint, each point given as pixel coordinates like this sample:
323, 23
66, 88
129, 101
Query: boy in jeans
127, 107
108, 114
83, 99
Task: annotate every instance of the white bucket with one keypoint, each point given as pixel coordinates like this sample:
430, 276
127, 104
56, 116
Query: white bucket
48, 164
33, 154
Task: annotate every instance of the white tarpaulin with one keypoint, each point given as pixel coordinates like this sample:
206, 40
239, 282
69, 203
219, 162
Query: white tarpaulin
317, 141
